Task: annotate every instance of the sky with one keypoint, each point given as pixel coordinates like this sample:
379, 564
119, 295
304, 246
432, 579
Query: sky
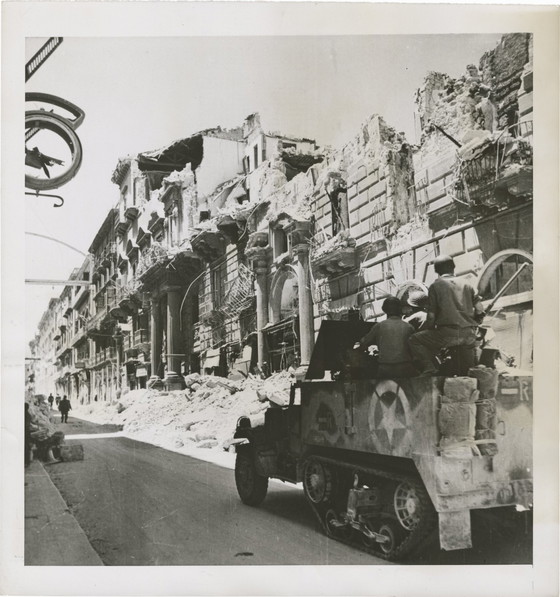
140, 94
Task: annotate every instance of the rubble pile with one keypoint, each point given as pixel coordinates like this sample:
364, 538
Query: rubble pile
203, 415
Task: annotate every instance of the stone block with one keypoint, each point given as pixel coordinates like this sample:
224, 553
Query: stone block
371, 179
525, 103
373, 274
441, 168
471, 239
352, 191
452, 244
360, 230
324, 223
468, 262
378, 189
436, 190
422, 257
527, 78
361, 199
439, 204
71, 452
356, 172
373, 172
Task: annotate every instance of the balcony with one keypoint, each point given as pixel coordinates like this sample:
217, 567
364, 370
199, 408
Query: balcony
122, 224
81, 363
137, 342
497, 170
63, 348
104, 355
131, 212
153, 260
209, 244
334, 257
94, 324
79, 336
141, 337
108, 253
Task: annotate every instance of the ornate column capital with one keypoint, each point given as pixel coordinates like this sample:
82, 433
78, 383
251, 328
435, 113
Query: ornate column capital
258, 239
259, 258
301, 250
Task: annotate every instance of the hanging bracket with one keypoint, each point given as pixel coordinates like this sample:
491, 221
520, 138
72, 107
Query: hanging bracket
37, 194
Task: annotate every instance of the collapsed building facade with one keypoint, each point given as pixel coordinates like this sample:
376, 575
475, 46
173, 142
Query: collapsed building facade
227, 248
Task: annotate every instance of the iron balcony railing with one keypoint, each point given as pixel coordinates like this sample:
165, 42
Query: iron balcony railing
141, 337
155, 255
496, 167
104, 355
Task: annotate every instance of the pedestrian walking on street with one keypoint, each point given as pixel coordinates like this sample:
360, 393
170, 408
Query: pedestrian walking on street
64, 407
51, 400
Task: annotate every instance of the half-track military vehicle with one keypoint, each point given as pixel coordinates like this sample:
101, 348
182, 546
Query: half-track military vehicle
385, 462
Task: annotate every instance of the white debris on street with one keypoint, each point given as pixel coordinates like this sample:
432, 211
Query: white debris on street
197, 420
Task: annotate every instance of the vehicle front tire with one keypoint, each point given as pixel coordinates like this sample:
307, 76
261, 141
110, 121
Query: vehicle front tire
251, 486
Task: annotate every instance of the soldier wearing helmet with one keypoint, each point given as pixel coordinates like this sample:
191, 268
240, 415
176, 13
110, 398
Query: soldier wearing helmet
391, 338
418, 303
454, 312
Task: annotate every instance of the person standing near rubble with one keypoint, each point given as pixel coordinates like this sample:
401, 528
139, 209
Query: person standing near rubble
50, 400
391, 337
64, 407
418, 303
454, 313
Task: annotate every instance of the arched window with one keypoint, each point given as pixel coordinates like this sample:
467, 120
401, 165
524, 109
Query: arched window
499, 269
284, 295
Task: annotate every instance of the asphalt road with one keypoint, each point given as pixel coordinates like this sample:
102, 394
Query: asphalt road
143, 505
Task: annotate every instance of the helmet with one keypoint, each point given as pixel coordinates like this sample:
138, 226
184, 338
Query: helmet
417, 298
444, 264
392, 306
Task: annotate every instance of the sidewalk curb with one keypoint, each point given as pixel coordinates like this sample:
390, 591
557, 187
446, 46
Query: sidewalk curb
53, 537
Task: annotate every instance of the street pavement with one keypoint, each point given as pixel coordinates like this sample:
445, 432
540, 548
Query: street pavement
142, 505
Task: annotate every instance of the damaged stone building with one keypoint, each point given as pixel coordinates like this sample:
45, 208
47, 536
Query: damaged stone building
228, 247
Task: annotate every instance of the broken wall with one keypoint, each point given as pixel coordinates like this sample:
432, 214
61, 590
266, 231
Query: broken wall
502, 70
377, 168
220, 163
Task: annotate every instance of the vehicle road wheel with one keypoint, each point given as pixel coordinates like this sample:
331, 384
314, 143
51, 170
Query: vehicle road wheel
388, 547
408, 505
317, 482
251, 486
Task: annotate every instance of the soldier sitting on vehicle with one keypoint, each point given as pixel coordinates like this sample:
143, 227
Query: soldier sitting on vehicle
454, 312
391, 338
418, 303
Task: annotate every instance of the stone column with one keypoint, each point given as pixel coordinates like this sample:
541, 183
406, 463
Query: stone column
262, 313
258, 252
173, 378
155, 342
118, 345
306, 328
300, 234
